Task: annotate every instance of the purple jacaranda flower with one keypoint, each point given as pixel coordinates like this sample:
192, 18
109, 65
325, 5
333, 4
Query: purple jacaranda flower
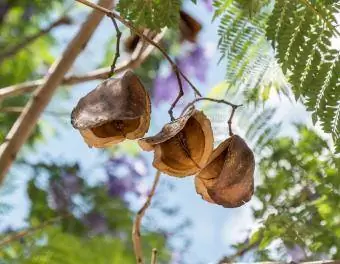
62, 189
60, 199
193, 64
119, 186
165, 87
296, 253
208, 4
71, 183
124, 175
96, 223
125, 166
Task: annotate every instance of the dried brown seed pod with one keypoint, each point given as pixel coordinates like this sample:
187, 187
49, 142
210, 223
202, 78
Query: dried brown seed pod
228, 179
182, 147
131, 42
189, 27
117, 109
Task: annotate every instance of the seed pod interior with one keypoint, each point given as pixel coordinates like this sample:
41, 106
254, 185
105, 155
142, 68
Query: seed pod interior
183, 146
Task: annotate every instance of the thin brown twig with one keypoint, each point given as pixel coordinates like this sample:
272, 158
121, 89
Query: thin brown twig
117, 54
220, 101
18, 110
230, 120
144, 37
179, 95
154, 256
29, 231
138, 57
136, 236
11, 51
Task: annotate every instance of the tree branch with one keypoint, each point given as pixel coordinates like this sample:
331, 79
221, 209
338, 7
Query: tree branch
25, 123
117, 54
137, 58
11, 51
230, 120
154, 256
175, 68
136, 236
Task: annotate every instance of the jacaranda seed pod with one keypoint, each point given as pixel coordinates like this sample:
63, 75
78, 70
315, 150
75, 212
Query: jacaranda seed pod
117, 109
189, 27
184, 146
228, 179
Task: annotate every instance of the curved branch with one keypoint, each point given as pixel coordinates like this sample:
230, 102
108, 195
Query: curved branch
144, 37
136, 236
137, 58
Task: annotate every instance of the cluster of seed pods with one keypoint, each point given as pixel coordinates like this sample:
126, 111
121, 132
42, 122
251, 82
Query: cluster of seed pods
120, 108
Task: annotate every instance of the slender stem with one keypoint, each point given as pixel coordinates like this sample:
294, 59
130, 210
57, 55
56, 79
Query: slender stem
18, 110
154, 256
220, 101
231, 120
177, 70
180, 94
136, 236
117, 54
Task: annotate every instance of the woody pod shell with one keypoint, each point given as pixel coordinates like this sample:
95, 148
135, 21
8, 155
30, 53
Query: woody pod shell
228, 179
117, 109
182, 147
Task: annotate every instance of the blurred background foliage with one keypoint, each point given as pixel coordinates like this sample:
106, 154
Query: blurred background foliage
270, 49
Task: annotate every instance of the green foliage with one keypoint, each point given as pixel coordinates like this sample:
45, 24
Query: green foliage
242, 44
301, 34
27, 62
299, 195
74, 238
153, 14
66, 248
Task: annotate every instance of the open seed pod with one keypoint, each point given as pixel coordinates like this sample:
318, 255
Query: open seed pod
182, 147
228, 179
189, 27
117, 109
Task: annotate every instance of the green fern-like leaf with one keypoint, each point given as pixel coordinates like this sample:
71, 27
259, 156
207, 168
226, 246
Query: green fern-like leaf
153, 14
250, 59
300, 33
